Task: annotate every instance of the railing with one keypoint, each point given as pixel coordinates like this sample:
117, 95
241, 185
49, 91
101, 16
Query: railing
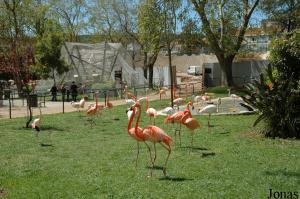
18, 102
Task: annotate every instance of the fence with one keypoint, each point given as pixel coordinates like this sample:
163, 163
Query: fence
15, 105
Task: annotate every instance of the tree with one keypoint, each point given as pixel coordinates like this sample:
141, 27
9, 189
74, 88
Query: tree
151, 28
48, 53
170, 24
286, 12
190, 38
278, 98
16, 45
72, 14
224, 24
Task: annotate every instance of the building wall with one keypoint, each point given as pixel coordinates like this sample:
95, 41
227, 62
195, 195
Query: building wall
242, 72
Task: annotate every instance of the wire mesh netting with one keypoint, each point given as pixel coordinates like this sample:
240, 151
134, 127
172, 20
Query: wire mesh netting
97, 63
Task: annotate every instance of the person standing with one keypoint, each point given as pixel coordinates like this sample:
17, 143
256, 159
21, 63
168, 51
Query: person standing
74, 91
53, 91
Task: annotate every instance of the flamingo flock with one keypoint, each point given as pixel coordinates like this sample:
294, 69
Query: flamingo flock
149, 133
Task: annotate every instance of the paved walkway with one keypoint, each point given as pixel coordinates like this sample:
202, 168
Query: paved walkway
228, 106
19, 108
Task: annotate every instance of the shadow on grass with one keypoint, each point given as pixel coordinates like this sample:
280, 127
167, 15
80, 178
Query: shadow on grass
227, 132
175, 179
285, 173
43, 128
155, 167
51, 128
194, 148
46, 145
208, 154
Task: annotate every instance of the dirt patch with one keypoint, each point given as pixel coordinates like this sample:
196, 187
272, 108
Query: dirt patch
2, 192
252, 134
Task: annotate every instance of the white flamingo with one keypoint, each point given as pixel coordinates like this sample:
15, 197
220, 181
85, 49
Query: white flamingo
80, 104
178, 102
37, 122
151, 112
168, 110
209, 109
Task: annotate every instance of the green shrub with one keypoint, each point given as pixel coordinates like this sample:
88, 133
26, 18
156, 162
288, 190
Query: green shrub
277, 96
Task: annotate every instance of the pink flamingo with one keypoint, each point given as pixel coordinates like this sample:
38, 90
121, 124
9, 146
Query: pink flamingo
190, 123
133, 131
155, 135
162, 92
174, 93
93, 110
108, 103
151, 112
177, 117
128, 94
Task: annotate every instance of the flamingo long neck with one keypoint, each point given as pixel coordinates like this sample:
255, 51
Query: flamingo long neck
138, 119
188, 109
130, 120
138, 133
40, 113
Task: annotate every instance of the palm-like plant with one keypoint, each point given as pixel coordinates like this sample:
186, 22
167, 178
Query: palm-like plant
277, 97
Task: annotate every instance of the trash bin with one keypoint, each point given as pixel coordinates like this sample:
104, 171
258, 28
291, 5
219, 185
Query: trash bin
33, 100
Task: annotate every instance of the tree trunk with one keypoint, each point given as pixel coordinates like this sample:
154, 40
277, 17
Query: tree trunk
145, 72
29, 109
145, 64
226, 70
151, 75
171, 74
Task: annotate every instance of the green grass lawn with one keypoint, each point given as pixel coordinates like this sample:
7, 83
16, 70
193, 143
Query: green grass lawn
85, 162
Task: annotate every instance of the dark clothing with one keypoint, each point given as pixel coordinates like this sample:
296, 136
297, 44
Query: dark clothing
74, 92
53, 93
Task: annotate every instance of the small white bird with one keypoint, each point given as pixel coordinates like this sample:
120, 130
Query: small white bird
130, 102
234, 96
168, 110
209, 109
129, 112
178, 102
151, 112
197, 99
37, 122
79, 104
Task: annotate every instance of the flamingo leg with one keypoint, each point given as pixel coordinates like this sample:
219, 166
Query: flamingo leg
154, 153
149, 152
137, 155
169, 153
154, 145
175, 130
